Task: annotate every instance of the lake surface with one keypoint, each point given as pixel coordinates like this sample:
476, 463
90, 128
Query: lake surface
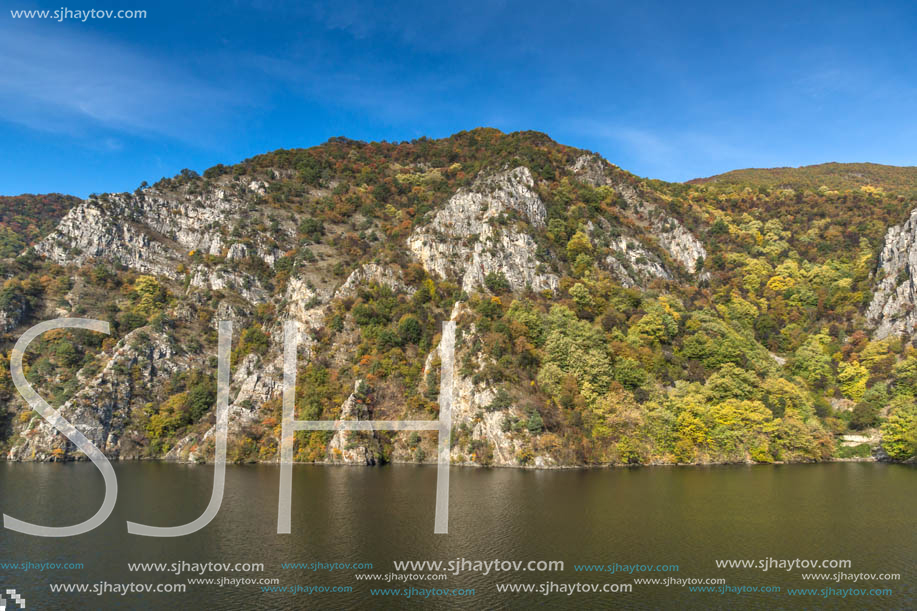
690, 517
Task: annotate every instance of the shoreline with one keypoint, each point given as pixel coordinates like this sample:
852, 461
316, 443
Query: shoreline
870, 459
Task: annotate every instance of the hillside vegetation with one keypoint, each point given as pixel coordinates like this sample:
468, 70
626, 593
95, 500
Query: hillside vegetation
26, 218
601, 318
831, 176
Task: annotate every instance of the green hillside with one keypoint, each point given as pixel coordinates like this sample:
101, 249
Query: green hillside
833, 176
26, 218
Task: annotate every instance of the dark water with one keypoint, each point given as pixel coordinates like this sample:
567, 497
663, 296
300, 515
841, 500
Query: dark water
689, 517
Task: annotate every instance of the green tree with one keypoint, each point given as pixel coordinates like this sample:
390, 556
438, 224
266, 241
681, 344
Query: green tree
496, 282
409, 329
66, 353
899, 433
201, 398
582, 297
579, 244
149, 296
575, 347
654, 327
906, 377
629, 372
812, 362
851, 377
781, 394
534, 424
732, 382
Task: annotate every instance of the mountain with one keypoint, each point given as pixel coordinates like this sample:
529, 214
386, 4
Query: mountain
600, 318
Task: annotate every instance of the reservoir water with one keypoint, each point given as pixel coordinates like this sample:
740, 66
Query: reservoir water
690, 517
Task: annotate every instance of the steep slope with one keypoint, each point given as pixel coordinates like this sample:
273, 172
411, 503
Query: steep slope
483, 217
600, 318
893, 309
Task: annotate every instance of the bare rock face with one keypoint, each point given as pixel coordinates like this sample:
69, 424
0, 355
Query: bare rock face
672, 236
155, 232
680, 243
476, 234
473, 411
228, 279
92, 231
893, 309
253, 383
103, 408
373, 273
630, 262
633, 265
470, 407
355, 447
478, 427
304, 301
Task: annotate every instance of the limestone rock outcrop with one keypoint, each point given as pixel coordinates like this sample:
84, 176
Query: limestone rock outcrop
893, 309
480, 231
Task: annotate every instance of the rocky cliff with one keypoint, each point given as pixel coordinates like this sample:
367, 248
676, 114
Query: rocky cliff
893, 309
482, 231
679, 243
102, 410
160, 231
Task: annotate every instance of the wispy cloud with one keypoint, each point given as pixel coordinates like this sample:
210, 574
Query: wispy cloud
61, 81
671, 154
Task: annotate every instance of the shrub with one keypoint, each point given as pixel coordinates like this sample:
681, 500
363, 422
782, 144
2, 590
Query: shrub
534, 424
899, 433
409, 329
500, 402
496, 282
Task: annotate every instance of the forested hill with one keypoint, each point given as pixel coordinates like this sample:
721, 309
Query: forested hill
26, 218
830, 176
600, 318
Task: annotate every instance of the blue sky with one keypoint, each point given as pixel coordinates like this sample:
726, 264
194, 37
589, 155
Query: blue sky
670, 90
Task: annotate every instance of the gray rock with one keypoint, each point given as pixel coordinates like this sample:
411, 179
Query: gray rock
672, 236
103, 408
893, 309
355, 447
473, 236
